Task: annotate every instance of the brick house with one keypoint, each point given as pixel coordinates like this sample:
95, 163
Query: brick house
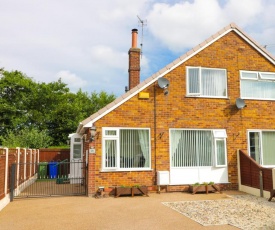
188, 120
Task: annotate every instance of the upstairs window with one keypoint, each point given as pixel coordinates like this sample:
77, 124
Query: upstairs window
257, 85
206, 82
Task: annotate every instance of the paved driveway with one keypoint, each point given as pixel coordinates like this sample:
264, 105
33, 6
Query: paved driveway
106, 213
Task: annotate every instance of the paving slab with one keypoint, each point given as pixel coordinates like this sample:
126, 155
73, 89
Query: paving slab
139, 212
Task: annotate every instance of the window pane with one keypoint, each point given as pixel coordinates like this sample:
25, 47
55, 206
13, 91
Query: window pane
134, 148
249, 75
77, 151
268, 76
257, 89
111, 153
213, 82
268, 140
194, 81
110, 132
254, 146
220, 145
191, 148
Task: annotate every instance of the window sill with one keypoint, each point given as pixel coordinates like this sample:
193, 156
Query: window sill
125, 170
198, 96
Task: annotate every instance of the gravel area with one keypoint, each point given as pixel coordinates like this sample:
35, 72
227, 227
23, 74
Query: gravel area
242, 211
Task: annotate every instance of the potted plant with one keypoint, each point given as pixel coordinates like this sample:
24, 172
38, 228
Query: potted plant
204, 187
131, 190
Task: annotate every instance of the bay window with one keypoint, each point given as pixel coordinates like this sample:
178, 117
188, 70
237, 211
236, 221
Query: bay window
198, 148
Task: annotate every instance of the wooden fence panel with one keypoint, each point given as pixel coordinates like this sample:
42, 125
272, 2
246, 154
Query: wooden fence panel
48, 155
250, 173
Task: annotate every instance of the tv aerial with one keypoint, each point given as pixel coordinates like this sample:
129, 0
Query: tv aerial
142, 23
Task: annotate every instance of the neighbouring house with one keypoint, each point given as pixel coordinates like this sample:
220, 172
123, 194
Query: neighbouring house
187, 121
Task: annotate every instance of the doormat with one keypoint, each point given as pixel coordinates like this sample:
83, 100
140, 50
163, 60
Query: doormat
242, 211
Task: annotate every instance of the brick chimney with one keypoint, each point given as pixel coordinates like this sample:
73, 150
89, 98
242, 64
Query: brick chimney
134, 61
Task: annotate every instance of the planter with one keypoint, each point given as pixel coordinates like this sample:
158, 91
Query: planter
126, 191
204, 188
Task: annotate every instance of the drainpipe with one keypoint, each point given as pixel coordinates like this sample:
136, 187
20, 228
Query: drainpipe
155, 132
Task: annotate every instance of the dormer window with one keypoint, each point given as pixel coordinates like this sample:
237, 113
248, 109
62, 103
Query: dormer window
206, 82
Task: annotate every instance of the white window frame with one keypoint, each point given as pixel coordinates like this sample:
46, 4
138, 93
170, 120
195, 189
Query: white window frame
260, 77
199, 94
218, 135
116, 137
267, 73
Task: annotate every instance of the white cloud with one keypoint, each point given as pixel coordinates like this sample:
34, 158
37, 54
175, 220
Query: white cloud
72, 80
185, 24
87, 41
109, 57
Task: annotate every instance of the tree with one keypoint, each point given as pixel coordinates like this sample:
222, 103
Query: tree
15, 91
27, 138
44, 107
99, 100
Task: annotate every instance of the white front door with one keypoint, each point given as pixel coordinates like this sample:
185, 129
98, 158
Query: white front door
76, 156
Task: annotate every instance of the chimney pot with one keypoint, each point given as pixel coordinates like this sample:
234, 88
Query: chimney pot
134, 38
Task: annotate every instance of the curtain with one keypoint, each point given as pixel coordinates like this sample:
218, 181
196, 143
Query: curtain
175, 139
220, 152
144, 144
193, 81
257, 89
134, 148
213, 82
110, 153
204, 144
268, 141
191, 148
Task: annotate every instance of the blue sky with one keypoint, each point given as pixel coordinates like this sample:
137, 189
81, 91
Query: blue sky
86, 42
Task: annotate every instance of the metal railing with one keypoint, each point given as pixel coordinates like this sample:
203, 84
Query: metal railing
49, 179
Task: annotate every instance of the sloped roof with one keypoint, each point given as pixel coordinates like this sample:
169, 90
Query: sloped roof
88, 122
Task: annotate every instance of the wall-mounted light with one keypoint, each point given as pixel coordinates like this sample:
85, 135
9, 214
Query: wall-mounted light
93, 133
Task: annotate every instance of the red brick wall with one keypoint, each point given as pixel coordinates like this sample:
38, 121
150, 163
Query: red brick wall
175, 110
134, 67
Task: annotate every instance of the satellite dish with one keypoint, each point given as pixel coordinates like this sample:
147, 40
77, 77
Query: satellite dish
163, 83
240, 103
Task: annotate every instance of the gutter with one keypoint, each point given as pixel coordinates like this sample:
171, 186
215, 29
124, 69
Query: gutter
79, 128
